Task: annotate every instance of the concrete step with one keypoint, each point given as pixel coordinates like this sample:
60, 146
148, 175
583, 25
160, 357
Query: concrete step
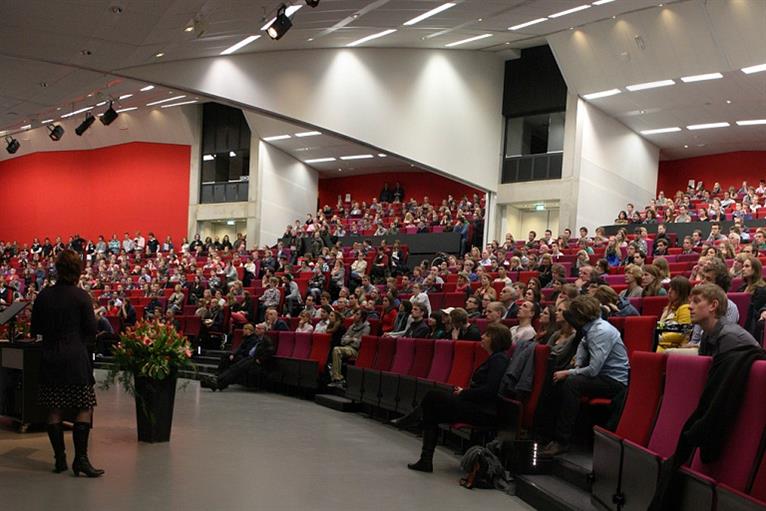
339, 403
552, 493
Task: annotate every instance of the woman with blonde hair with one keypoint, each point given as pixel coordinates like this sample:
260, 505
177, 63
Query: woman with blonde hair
633, 278
676, 312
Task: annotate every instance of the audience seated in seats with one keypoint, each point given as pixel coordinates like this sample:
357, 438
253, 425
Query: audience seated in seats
473, 307
274, 322
563, 341
651, 282
508, 297
439, 325
601, 370
252, 357
714, 271
676, 312
324, 319
403, 319
418, 327
633, 277
612, 304
349, 346
754, 284
271, 296
524, 331
546, 324
708, 305
388, 315
461, 329
494, 312
476, 405
304, 323
293, 300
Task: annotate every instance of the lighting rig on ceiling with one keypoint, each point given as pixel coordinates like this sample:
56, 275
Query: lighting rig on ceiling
282, 22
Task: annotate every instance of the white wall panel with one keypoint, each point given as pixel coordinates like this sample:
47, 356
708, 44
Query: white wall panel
440, 109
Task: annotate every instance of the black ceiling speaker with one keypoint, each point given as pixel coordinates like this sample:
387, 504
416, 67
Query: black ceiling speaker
84, 125
56, 132
13, 145
281, 25
109, 115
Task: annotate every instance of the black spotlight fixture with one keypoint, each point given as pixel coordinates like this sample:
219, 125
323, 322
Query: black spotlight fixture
56, 132
109, 115
13, 145
312, 3
281, 25
84, 125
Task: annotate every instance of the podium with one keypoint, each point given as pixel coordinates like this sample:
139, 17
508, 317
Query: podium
19, 373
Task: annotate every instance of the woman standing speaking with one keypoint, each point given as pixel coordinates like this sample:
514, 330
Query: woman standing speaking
63, 316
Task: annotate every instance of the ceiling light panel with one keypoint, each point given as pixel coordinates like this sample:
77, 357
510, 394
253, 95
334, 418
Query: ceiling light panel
469, 40
176, 98
751, 122
357, 157
527, 24
650, 85
602, 2
179, 104
276, 137
701, 78
570, 11
371, 37
659, 131
432, 12
602, 94
147, 88
708, 126
244, 42
320, 160
308, 134
754, 69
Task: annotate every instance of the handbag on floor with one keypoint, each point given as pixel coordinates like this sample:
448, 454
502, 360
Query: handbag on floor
483, 469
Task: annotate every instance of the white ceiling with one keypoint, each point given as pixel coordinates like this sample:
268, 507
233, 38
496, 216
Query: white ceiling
683, 39
73, 45
324, 146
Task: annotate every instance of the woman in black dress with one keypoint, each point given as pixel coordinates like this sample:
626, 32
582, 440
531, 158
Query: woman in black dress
476, 405
63, 316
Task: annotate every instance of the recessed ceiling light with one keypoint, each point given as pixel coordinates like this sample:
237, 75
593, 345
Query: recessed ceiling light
165, 100
125, 96
527, 24
602, 2
190, 28
310, 39
661, 130
371, 37
147, 88
46, 121
308, 134
709, 125
728, 102
357, 157
469, 40
602, 94
126, 109
432, 12
179, 104
570, 11
232, 154
382, 155
319, 160
754, 69
700, 78
26, 126
751, 122
686, 146
159, 54
650, 85
208, 157
244, 42
70, 114
276, 137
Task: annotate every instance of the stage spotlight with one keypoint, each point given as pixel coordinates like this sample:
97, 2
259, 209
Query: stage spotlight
56, 132
13, 145
109, 115
312, 3
281, 25
84, 125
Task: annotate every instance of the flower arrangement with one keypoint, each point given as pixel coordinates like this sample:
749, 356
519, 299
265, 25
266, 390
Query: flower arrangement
151, 350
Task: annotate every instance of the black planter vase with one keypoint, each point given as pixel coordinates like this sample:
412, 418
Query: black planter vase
154, 407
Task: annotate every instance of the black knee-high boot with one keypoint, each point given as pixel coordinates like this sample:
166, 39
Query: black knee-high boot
56, 436
80, 434
426, 461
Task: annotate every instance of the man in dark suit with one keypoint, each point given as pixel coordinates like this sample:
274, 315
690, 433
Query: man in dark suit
252, 356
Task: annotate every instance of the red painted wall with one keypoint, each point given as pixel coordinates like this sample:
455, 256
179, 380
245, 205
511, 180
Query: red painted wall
416, 184
729, 169
129, 187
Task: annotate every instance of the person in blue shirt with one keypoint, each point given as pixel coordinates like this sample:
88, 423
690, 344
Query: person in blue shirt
601, 370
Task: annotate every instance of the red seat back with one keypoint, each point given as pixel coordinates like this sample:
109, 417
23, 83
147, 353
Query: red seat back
639, 333
685, 376
653, 305
236, 339
462, 364
286, 344
386, 350
442, 361
302, 345
454, 300
367, 351
479, 355
647, 375
193, 326
437, 300
424, 353
481, 324
742, 301
542, 352
405, 353
740, 449
320, 348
